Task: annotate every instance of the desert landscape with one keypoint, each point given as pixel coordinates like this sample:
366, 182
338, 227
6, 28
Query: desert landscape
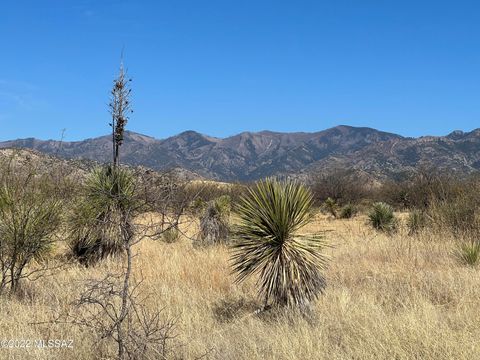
239, 180
402, 287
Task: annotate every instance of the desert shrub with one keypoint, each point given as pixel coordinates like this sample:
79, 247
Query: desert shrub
460, 215
30, 215
98, 219
214, 222
331, 207
468, 253
197, 205
347, 212
416, 221
397, 193
381, 217
171, 235
342, 185
418, 190
267, 244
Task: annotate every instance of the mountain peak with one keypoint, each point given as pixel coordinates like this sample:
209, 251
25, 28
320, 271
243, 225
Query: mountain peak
456, 134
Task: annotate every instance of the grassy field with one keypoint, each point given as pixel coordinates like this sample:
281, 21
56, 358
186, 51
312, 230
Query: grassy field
388, 297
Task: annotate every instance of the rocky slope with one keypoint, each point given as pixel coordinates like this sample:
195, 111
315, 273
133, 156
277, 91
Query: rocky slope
249, 156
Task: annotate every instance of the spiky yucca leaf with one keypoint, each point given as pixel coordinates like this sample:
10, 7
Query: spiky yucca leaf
289, 266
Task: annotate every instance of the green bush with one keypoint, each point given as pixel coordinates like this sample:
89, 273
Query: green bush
382, 217
30, 216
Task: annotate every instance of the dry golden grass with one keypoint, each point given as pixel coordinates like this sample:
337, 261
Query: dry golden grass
388, 297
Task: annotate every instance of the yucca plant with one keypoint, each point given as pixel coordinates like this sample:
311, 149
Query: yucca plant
214, 222
347, 212
469, 253
331, 206
267, 243
382, 218
99, 219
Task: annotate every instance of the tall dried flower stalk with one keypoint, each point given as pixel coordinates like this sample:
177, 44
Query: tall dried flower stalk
120, 108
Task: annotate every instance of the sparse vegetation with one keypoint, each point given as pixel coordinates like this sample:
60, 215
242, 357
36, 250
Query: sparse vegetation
416, 221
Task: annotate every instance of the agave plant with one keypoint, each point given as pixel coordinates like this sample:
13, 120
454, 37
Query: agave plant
99, 218
289, 266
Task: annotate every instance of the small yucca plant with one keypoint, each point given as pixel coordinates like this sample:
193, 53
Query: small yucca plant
289, 266
331, 206
469, 253
347, 212
381, 217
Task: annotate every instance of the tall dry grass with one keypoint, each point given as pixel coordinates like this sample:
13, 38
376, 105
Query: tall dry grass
388, 297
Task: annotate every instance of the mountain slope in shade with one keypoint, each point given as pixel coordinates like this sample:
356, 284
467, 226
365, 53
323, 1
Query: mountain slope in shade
250, 156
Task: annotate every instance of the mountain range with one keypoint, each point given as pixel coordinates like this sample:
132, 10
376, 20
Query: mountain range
253, 155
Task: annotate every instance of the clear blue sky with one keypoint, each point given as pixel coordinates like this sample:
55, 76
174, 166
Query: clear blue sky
222, 67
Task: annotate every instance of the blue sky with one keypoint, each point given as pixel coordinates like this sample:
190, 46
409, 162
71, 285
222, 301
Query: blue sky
222, 67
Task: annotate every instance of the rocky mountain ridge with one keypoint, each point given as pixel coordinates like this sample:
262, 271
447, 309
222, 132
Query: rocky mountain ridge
252, 155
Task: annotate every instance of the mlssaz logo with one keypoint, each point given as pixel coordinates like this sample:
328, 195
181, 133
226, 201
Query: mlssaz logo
55, 344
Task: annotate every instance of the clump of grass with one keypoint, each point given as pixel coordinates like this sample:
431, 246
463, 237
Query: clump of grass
416, 221
347, 212
468, 253
382, 217
171, 235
